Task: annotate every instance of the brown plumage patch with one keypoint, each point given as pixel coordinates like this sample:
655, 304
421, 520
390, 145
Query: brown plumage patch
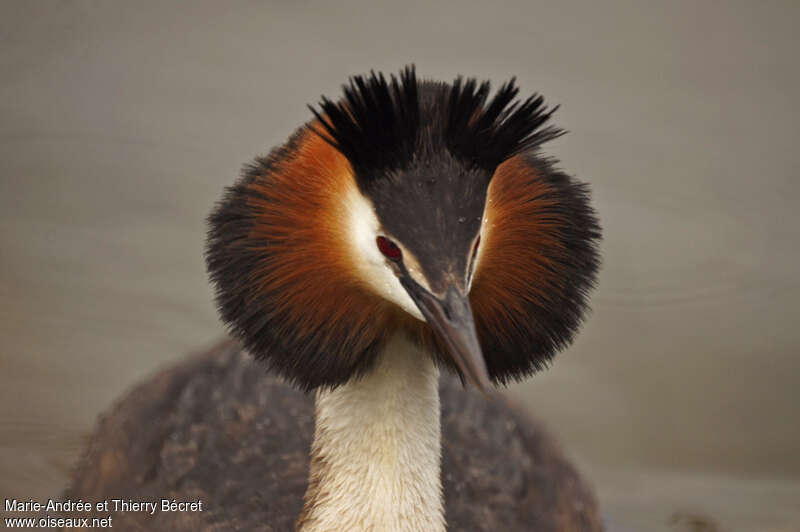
538, 261
515, 267
301, 223
285, 280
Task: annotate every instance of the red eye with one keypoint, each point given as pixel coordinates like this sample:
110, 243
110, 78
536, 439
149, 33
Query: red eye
389, 248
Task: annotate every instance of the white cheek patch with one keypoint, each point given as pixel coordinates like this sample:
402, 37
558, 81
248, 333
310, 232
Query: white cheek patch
484, 236
371, 264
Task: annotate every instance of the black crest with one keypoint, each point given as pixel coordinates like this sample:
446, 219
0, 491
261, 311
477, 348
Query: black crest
376, 125
488, 134
382, 125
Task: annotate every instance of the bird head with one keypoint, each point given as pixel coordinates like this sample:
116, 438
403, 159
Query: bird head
410, 206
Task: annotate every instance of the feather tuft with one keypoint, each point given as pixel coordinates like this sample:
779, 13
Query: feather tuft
378, 124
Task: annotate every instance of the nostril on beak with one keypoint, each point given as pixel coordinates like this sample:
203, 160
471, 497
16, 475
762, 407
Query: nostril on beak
448, 313
455, 304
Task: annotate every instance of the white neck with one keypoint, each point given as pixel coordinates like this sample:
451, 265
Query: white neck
376, 455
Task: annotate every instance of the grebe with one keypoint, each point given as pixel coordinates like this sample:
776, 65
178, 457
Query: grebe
411, 226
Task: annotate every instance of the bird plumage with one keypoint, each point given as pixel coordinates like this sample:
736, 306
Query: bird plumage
411, 226
286, 282
439, 164
217, 428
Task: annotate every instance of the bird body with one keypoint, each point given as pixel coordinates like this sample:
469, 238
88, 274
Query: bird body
411, 226
216, 428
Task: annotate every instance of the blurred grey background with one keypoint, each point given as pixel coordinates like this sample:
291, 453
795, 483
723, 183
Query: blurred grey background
121, 122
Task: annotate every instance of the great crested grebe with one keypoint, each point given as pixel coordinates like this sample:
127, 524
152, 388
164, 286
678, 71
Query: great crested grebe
411, 226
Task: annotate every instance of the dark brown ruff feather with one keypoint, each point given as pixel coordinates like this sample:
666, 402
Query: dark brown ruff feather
285, 281
538, 262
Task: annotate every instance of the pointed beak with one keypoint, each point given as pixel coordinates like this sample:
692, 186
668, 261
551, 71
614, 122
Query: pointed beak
451, 318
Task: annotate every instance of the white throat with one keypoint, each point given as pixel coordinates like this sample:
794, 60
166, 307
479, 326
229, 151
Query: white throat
376, 455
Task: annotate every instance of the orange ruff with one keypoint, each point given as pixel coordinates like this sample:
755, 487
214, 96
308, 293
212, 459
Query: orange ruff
301, 227
522, 232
